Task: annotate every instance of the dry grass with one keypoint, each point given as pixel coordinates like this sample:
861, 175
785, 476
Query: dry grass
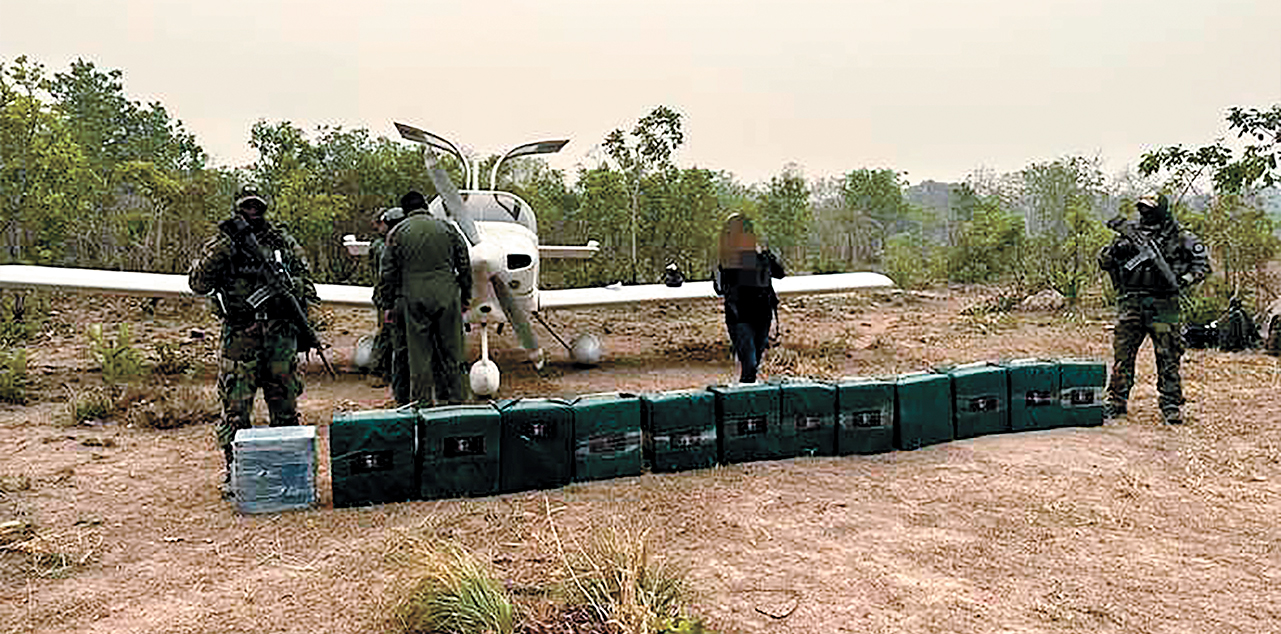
455, 592
1128, 527
548, 577
169, 408
615, 573
151, 406
12, 483
52, 554
86, 404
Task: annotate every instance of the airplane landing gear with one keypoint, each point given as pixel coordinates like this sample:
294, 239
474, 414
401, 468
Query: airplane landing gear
484, 376
586, 350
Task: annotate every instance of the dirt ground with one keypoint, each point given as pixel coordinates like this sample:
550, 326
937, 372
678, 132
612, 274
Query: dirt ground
1129, 527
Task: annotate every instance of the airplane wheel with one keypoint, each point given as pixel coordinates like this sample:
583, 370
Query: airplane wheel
484, 378
587, 350
363, 354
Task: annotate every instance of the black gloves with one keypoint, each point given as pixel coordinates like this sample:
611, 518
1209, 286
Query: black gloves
235, 227
1123, 249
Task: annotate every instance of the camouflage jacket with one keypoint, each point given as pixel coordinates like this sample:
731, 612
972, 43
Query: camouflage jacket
1183, 251
230, 275
375, 262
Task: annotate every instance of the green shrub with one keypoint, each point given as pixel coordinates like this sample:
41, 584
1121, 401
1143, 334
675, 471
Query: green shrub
13, 376
119, 361
1206, 303
458, 594
21, 316
912, 262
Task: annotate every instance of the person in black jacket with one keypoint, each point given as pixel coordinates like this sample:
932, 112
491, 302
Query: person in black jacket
1237, 331
743, 278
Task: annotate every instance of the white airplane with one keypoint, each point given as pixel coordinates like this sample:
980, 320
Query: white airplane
502, 233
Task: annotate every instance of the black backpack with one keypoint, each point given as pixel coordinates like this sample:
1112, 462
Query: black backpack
1237, 331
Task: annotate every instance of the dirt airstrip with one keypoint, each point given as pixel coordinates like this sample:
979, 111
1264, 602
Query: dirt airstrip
1129, 527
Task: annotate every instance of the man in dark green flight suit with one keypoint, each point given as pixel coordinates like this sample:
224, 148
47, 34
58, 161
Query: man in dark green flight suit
259, 343
426, 273
1148, 305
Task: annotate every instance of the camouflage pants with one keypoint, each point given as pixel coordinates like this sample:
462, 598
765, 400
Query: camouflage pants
1159, 319
262, 354
398, 353
380, 360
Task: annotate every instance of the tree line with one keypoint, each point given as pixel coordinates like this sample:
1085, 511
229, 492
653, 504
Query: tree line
89, 177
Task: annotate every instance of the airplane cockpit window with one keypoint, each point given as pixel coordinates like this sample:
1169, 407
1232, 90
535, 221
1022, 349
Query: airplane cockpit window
492, 206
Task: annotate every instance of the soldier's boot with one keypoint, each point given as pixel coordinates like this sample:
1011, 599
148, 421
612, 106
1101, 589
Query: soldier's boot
1172, 416
225, 488
1113, 410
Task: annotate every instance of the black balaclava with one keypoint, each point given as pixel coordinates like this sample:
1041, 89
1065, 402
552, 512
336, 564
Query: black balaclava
1154, 213
254, 213
252, 207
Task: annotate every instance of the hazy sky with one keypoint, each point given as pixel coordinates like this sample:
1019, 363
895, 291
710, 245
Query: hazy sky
934, 88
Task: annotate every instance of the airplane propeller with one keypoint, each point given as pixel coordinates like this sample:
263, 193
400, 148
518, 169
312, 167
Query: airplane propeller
484, 373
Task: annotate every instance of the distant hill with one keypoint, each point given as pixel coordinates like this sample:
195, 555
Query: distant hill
931, 195
935, 200
1271, 198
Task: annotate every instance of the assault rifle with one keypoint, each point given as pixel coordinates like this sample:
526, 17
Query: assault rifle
1147, 252
279, 284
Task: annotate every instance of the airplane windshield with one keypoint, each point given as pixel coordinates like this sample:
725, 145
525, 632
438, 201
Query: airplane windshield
492, 206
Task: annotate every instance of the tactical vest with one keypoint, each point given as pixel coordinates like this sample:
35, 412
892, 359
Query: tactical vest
1179, 248
246, 275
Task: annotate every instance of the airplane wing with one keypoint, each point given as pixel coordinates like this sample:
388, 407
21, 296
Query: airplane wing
168, 285
617, 294
569, 252
146, 284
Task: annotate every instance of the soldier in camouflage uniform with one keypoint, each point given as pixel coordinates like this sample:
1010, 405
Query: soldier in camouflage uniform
382, 350
1148, 305
259, 345
426, 273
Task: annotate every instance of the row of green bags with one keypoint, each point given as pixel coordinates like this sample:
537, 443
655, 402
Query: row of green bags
404, 454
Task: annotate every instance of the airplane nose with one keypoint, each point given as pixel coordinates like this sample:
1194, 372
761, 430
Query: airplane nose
488, 258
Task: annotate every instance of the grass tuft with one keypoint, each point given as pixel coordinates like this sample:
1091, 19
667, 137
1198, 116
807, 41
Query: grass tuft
152, 406
169, 408
86, 404
13, 375
170, 359
455, 593
616, 574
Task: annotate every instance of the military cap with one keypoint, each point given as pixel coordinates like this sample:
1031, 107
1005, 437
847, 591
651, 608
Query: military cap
392, 215
249, 194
